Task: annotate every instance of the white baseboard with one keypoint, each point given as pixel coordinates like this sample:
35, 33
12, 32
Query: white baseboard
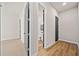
9, 39
71, 42
35, 54
49, 45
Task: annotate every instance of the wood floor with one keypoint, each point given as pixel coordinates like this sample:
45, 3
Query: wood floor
13, 47
60, 48
78, 51
41, 50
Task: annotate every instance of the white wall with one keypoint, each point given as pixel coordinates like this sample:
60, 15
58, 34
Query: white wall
69, 25
0, 23
33, 28
0, 31
40, 21
9, 25
10, 20
49, 25
78, 10
21, 18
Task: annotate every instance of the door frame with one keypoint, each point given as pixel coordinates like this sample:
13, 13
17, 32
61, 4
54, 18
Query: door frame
19, 28
44, 12
27, 31
0, 25
43, 25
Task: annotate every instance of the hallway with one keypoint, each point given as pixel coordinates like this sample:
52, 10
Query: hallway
39, 28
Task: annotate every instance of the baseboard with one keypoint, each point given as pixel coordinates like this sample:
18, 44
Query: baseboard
71, 42
49, 45
35, 54
9, 39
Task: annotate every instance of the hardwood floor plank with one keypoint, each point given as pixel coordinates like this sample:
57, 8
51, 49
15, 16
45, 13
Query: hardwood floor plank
61, 48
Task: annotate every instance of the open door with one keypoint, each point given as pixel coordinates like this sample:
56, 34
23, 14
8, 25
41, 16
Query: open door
26, 29
56, 28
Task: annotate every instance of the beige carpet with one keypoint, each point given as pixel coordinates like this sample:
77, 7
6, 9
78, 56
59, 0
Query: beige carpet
12, 48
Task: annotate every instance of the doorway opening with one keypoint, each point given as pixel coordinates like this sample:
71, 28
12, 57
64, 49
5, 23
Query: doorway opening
56, 28
41, 26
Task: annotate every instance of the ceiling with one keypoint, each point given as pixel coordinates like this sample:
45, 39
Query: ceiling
16, 7
59, 7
